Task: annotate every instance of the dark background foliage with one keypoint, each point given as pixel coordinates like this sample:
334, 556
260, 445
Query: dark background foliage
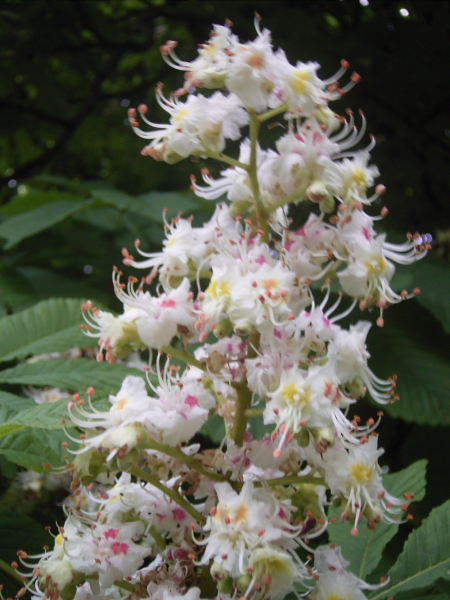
75, 188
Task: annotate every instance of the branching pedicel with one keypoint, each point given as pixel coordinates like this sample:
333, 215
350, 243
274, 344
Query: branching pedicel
241, 521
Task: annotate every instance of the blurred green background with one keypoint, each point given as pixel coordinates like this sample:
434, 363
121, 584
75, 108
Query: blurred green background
75, 188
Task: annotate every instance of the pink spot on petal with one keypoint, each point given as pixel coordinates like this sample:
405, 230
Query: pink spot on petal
191, 401
178, 514
167, 303
111, 533
277, 333
119, 548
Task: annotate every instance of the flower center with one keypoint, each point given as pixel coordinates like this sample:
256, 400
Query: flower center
292, 395
217, 289
376, 266
360, 473
299, 81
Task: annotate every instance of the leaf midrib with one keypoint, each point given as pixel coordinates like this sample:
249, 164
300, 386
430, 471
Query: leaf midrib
14, 353
408, 579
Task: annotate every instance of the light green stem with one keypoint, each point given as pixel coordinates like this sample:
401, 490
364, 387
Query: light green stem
159, 540
287, 199
224, 158
254, 412
10, 571
273, 113
189, 461
184, 356
125, 585
260, 212
243, 402
171, 493
293, 479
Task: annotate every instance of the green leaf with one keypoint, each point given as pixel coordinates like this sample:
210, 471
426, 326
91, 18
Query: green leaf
425, 556
16, 291
10, 405
153, 204
50, 326
76, 374
364, 551
35, 199
148, 205
432, 276
413, 345
47, 416
31, 448
26, 224
19, 531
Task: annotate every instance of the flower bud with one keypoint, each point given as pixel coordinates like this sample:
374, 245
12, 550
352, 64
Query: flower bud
239, 207
326, 205
222, 329
88, 465
323, 438
243, 582
168, 155
225, 585
325, 116
317, 191
356, 388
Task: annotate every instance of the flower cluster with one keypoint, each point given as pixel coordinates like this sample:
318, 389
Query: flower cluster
270, 309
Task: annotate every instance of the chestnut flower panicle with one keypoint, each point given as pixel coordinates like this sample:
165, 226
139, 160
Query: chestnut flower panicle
243, 319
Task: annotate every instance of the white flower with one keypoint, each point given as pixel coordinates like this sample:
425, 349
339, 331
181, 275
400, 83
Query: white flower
196, 126
354, 474
180, 409
159, 318
350, 353
240, 524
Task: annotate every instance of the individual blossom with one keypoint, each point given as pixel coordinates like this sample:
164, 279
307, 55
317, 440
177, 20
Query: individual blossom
355, 476
250, 528
159, 318
334, 582
351, 358
180, 408
197, 126
310, 398
116, 429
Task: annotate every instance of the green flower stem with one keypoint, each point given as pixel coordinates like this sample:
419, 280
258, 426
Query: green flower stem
171, 493
125, 585
261, 214
10, 571
224, 158
272, 113
287, 199
243, 402
293, 479
184, 356
178, 454
159, 540
254, 412
244, 395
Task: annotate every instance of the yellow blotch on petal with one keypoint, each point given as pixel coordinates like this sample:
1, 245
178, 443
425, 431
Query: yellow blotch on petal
240, 514
361, 473
292, 394
376, 266
121, 403
216, 289
299, 81
359, 177
180, 114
